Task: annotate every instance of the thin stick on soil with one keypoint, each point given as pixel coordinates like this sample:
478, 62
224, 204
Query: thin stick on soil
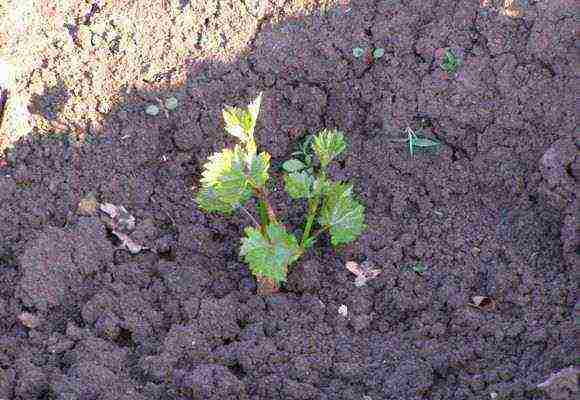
249, 214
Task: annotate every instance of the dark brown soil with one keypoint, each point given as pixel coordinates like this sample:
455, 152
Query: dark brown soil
493, 213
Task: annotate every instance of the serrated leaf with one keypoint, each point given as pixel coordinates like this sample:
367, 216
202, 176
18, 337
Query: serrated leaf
293, 165
254, 110
341, 214
259, 165
328, 144
208, 200
242, 122
238, 123
271, 254
299, 184
319, 186
224, 175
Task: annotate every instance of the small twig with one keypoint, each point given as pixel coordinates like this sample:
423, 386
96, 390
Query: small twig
251, 216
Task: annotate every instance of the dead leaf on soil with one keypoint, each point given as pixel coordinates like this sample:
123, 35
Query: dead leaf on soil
363, 272
29, 320
121, 223
120, 219
483, 303
129, 243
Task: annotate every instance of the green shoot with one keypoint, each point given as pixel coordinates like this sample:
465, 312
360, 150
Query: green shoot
415, 141
450, 62
233, 176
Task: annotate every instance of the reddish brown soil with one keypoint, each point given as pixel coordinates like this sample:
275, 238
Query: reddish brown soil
493, 213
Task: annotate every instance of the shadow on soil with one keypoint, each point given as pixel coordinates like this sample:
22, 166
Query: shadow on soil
490, 215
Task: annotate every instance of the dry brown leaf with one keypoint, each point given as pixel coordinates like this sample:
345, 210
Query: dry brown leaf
88, 206
363, 272
120, 219
353, 267
129, 243
29, 320
483, 303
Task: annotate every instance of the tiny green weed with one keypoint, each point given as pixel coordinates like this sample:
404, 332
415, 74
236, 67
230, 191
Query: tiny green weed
418, 142
450, 62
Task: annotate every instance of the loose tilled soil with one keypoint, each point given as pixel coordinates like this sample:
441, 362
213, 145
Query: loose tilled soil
492, 213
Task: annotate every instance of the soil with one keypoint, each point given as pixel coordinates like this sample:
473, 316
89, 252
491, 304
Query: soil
492, 213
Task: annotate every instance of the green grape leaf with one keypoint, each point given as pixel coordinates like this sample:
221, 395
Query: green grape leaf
341, 214
224, 174
293, 165
241, 123
208, 200
327, 145
320, 185
259, 165
299, 185
271, 254
254, 110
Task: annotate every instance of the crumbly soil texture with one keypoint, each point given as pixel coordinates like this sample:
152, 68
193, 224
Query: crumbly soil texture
476, 240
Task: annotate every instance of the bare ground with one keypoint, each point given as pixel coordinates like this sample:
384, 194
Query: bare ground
492, 214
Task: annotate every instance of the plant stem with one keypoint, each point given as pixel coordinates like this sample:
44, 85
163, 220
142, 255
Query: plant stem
312, 208
265, 205
313, 205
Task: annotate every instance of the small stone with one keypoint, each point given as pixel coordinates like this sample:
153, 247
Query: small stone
171, 103
152, 110
343, 310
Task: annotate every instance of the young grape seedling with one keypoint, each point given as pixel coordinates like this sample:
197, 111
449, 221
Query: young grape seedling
233, 176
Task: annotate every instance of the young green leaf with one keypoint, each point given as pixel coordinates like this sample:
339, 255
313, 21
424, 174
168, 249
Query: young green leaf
269, 255
320, 185
259, 165
224, 174
327, 145
299, 184
254, 110
239, 123
341, 214
208, 200
293, 165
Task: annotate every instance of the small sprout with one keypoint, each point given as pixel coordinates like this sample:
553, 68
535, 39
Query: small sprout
343, 310
171, 103
378, 53
415, 141
418, 268
152, 109
450, 62
357, 52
